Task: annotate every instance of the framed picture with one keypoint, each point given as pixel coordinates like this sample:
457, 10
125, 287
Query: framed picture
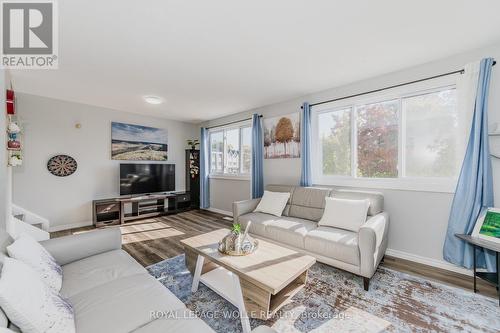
138, 143
282, 136
488, 225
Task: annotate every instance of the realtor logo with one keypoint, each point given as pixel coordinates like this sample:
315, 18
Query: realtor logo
29, 35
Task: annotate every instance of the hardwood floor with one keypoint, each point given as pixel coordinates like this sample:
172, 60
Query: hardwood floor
440, 275
152, 240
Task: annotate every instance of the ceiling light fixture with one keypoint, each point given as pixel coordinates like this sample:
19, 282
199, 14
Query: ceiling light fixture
153, 100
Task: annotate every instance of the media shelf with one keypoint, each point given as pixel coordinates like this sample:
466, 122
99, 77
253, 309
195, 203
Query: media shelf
115, 211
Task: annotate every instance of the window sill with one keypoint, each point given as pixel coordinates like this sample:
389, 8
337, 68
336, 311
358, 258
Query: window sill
229, 177
404, 184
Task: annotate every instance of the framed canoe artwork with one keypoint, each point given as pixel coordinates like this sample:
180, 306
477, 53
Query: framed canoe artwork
488, 225
138, 143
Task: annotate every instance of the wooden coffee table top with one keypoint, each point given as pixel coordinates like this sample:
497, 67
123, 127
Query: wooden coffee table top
271, 267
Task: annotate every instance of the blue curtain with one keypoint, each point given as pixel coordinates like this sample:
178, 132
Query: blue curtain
204, 169
257, 158
474, 190
305, 146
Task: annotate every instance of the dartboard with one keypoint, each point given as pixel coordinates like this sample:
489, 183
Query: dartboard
62, 165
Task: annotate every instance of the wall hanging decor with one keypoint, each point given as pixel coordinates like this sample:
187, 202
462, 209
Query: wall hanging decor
10, 100
15, 160
14, 146
282, 136
62, 165
193, 176
138, 143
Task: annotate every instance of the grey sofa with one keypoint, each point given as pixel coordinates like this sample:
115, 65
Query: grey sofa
358, 253
110, 291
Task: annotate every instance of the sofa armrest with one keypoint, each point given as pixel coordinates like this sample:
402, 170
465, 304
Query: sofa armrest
75, 247
244, 207
373, 242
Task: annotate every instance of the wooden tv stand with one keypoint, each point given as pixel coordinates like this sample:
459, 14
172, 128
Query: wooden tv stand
113, 211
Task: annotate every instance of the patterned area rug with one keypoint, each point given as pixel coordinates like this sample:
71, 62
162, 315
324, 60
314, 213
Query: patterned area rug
334, 301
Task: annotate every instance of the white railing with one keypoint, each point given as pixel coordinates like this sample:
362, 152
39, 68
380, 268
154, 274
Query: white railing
24, 221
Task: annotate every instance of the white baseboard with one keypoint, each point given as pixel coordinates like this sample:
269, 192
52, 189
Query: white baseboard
428, 261
220, 211
69, 226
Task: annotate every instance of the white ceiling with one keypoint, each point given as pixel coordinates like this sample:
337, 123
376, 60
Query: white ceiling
212, 58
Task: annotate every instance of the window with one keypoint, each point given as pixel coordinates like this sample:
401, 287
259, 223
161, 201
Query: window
335, 134
217, 152
246, 150
409, 138
377, 139
432, 135
230, 151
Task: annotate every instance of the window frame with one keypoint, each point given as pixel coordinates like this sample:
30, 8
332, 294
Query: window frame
401, 182
224, 175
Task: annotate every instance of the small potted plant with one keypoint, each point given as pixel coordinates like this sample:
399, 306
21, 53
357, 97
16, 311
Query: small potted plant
193, 143
236, 228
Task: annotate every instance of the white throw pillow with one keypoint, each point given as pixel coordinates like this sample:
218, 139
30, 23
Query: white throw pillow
344, 213
29, 251
273, 203
30, 304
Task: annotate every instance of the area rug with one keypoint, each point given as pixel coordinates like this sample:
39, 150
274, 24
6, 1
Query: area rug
334, 301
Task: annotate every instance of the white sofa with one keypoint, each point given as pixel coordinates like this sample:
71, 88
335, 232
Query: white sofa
109, 291
356, 252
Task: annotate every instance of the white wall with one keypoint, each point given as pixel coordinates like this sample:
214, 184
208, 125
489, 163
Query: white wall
3, 154
418, 219
49, 129
222, 189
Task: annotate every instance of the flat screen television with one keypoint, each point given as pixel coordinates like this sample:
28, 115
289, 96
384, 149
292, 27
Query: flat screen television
138, 178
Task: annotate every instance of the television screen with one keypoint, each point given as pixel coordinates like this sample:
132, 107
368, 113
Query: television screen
146, 178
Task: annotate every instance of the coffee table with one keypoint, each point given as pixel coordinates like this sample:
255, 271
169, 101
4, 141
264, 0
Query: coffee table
258, 284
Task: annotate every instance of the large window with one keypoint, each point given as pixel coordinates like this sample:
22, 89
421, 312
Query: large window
230, 151
405, 139
377, 139
335, 142
432, 134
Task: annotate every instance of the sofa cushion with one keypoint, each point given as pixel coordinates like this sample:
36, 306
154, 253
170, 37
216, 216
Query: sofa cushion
121, 305
376, 199
273, 203
308, 202
289, 230
259, 222
344, 214
184, 321
28, 250
93, 271
334, 243
4, 321
283, 188
284, 229
30, 303
5, 240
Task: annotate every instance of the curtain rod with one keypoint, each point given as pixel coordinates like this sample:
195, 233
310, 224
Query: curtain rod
460, 71
232, 122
